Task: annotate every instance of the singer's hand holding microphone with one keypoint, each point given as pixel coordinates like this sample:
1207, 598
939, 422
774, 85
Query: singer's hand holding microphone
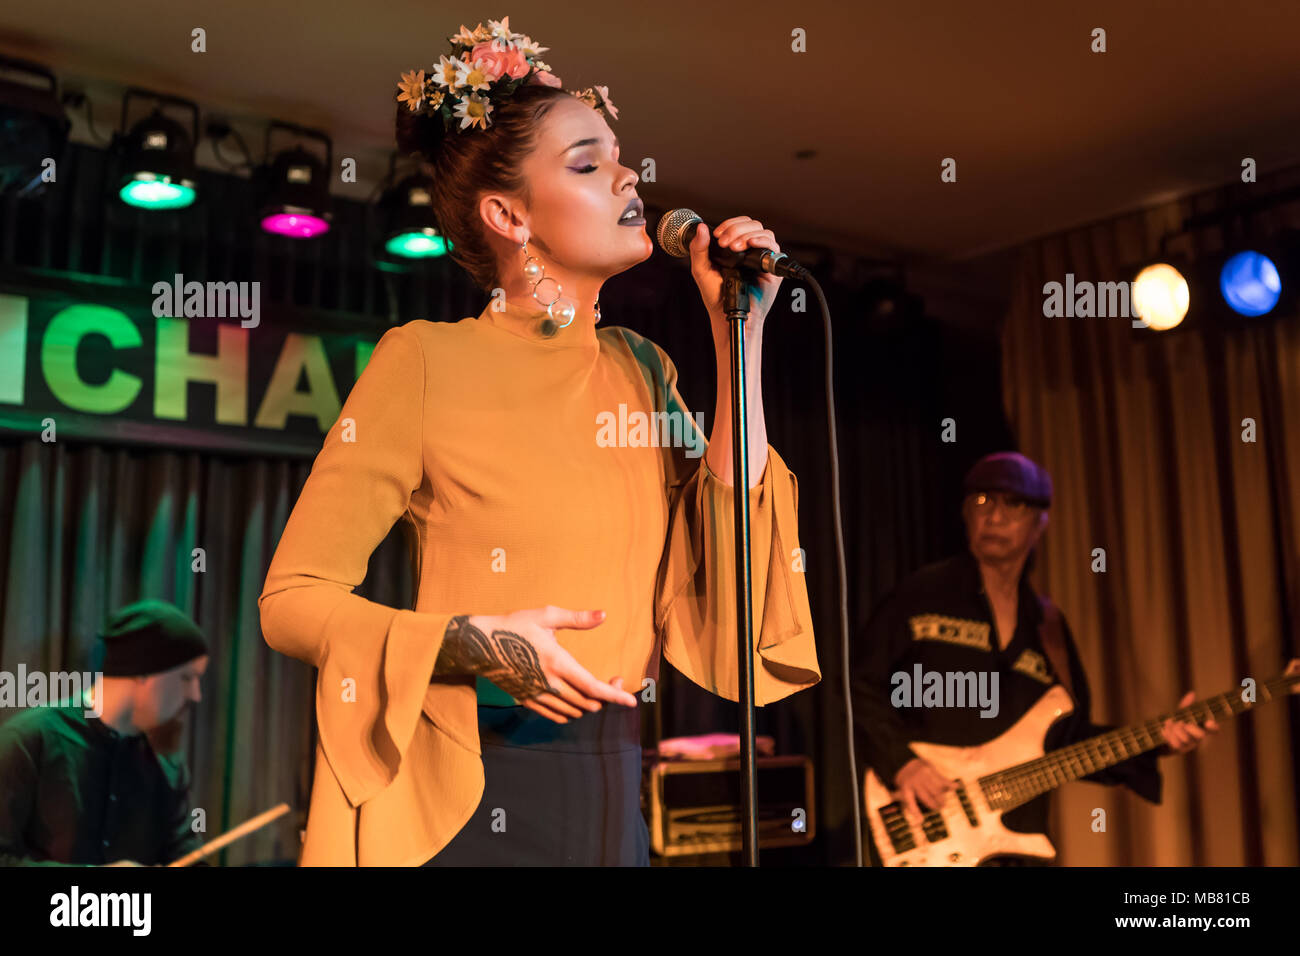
734, 242
736, 234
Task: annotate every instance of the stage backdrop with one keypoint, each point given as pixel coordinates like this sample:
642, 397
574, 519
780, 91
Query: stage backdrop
1143, 433
112, 510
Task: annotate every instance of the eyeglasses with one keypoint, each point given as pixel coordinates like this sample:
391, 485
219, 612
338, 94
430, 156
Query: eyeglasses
1013, 506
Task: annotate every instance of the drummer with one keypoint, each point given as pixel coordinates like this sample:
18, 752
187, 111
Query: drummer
113, 789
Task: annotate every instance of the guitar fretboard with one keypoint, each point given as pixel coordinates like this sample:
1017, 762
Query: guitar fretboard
1017, 785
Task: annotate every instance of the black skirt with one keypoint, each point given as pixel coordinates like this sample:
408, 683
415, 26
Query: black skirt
556, 794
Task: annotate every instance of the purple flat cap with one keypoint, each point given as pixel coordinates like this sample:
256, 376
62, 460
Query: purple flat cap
1011, 473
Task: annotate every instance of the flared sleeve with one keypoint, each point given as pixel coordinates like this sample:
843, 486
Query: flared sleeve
695, 603
375, 662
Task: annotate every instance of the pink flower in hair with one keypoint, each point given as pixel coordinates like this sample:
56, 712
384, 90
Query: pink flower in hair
604, 96
500, 59
546, 78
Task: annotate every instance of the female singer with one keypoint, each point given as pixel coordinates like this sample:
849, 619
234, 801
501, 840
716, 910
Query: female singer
493, 724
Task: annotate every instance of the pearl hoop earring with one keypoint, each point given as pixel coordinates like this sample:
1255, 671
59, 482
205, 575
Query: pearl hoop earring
559, 306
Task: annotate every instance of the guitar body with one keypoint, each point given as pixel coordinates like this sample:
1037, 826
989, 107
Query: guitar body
966, 832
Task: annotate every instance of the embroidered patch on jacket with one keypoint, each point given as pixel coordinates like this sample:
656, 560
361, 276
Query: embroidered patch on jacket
1032, 663
953, 630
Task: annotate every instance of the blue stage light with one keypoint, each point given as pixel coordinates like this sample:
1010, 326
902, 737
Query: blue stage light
1250, 283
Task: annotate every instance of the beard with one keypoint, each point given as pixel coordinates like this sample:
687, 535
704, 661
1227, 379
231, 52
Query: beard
168, 737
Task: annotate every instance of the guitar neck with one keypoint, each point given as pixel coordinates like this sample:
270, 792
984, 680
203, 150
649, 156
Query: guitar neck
1018, 785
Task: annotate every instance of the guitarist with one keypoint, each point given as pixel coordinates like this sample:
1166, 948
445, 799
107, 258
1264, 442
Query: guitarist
977, 612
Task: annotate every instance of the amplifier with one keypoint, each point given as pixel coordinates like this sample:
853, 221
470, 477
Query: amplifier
694, 805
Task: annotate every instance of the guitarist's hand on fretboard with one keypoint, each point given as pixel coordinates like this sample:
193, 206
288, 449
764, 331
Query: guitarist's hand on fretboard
1182, 737
920, 780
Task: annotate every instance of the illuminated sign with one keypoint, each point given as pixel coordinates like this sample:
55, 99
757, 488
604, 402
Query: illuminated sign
77, 369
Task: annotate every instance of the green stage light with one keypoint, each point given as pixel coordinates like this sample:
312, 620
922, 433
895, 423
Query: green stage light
408, 230
156, 167
419, 244
146, 191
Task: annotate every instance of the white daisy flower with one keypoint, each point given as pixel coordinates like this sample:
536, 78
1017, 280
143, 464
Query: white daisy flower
445, 70
530, 47
472, 76
501, 28
473, 110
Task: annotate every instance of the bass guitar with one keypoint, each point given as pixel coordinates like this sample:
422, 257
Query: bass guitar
1012, 769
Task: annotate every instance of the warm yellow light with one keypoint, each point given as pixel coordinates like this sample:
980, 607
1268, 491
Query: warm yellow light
1160, 296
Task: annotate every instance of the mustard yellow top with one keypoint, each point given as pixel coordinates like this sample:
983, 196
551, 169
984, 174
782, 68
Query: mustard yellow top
488, 438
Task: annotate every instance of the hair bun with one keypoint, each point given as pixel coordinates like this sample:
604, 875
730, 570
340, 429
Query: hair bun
419, 133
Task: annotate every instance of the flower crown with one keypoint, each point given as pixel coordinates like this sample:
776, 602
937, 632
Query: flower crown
486, 66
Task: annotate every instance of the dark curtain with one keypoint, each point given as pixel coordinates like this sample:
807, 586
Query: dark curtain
1143, 432
90, 527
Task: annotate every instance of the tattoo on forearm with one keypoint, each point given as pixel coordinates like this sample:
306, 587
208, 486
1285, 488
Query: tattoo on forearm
504, 658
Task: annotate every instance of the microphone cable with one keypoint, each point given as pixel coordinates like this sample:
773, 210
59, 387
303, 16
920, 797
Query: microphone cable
841, 566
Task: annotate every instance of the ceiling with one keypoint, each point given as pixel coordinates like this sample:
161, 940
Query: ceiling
1045, 133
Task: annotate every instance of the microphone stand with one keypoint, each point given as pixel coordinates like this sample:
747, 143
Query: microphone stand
735, 299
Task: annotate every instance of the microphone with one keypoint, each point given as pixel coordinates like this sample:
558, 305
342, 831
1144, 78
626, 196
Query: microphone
677, 229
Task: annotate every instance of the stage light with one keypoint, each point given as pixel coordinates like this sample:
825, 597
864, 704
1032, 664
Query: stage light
297, 200
1161, 296
147, 193
33, 127
157, 168
411, 232
295, 187
425, 244
1250, 283
295, 225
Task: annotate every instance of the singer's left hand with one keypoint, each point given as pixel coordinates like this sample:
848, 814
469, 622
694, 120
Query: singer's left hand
1182, 737
739, 232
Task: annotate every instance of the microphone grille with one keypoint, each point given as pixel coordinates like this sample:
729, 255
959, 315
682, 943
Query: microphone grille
671, 228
